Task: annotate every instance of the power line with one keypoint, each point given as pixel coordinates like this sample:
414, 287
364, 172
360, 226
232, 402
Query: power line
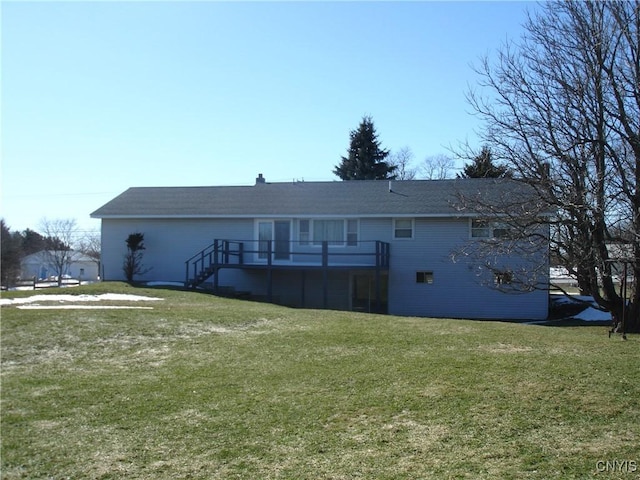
44, 195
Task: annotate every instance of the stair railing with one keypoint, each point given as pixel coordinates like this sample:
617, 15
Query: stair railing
200, 261
201, 265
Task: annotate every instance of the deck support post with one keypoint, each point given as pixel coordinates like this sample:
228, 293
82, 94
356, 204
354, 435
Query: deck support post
379, 256
325, 288
325, 274
216, 284
269, 272
225, 250
378, 292
220, 255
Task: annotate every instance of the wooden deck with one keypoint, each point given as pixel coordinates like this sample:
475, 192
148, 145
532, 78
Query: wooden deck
272, 256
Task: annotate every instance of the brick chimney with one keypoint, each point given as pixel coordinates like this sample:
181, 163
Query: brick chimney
260, 179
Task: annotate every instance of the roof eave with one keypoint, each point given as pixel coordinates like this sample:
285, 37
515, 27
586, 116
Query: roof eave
286, 215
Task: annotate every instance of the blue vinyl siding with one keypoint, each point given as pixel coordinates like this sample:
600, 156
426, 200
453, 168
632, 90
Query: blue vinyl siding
455, 292
169, 242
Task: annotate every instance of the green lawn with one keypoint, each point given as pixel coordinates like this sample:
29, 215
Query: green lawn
212, 388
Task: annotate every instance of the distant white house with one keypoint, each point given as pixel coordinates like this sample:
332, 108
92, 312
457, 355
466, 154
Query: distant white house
38, 265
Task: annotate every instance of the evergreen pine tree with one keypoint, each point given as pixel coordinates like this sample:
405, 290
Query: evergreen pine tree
10, 244
366, 158
483, 167
133, 259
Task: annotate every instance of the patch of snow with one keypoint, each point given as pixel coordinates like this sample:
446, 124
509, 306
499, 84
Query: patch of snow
117, 297
125, 297
558, 272
560, 275
45, 284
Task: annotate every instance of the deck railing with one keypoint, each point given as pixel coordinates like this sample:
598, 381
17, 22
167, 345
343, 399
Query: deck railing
226, 253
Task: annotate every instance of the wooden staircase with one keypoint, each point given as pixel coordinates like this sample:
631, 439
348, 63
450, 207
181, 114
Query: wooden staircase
201, 277
201, 266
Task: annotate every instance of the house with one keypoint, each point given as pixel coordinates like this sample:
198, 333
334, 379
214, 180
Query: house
383, 246
40, 265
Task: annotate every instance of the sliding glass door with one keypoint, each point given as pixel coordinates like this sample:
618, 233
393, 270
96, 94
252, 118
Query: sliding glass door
278, 232
282, 240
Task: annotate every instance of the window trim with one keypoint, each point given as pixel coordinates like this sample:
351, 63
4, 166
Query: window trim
348, 242
318, 243
395, 229
345, 242
260, 255
491, 226
306, 242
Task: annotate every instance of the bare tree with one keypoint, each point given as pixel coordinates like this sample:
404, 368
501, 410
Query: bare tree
564, 113
437, 167
402, 160
90, 246
509, 237
60, 254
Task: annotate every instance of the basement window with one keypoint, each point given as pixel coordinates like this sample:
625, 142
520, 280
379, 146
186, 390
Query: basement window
503, 278
424, 277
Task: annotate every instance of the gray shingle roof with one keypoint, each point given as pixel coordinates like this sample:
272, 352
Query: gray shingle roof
358, 198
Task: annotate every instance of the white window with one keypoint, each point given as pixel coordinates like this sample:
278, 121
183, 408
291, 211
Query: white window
336, 232
352, 233
265, 235
489, 229
403, 228
331, 231
501, 230
304, 234
480, 229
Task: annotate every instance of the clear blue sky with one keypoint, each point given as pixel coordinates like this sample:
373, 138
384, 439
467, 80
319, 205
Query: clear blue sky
101, 96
